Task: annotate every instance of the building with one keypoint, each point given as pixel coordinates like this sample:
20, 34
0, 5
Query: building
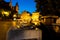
6, 8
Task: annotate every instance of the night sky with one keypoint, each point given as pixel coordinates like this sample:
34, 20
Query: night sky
28, 5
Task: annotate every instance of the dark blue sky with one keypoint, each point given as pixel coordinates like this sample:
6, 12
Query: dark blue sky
28, 5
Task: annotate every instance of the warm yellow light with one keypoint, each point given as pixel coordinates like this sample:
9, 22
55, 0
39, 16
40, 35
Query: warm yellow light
14, 15
18, 26
56, 28
14, 19
5, 13
36, 28
35, 18
25, 17
58, 21
14, 23
35, 23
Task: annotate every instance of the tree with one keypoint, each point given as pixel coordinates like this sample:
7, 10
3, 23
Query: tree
48, 7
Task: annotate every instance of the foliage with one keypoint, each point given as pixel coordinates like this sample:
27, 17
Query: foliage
48, 7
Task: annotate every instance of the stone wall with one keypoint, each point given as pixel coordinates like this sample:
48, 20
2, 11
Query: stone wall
24, 34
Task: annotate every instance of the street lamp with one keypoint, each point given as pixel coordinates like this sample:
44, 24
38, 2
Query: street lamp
14, 17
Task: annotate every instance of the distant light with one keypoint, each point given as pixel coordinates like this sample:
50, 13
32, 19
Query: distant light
58, 21
35, 23
36, 28
14, 19
6, 13
14, 15
18, 26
